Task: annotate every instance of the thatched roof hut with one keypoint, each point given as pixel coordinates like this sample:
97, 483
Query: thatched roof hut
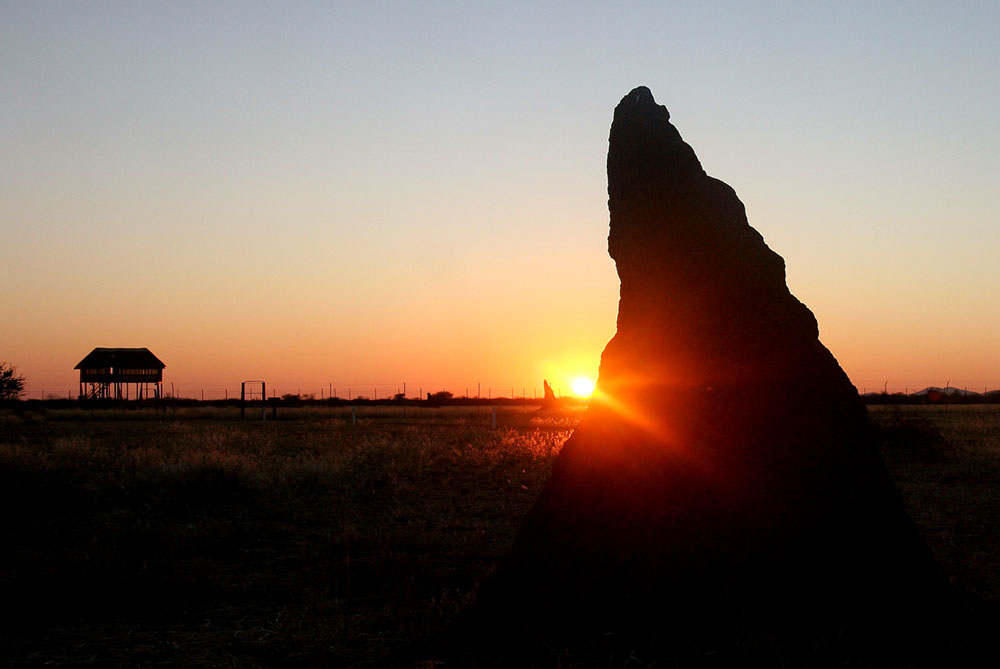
106, 369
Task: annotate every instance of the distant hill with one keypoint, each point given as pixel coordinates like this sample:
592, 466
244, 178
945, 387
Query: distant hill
933, 395
947, 391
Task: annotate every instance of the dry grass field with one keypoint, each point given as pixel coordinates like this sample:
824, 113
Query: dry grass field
946, 463
192, 538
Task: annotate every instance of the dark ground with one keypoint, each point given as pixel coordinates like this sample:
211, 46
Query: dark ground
191, 538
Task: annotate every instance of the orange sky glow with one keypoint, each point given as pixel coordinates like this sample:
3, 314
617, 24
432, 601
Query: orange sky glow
347, 197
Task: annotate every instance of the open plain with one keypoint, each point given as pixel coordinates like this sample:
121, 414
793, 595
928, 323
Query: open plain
189, 537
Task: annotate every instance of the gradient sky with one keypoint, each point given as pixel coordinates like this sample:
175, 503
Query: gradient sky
362, 194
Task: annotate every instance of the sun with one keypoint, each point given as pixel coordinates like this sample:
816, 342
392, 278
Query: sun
582, 386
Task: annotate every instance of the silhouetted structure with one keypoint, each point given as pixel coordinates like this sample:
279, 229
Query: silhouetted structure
254, 393
107, 373
722, 495
549, 397
547, 389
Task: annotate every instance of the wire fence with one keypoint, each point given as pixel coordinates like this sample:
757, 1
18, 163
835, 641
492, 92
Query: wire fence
919, 391
408, 391
313, 391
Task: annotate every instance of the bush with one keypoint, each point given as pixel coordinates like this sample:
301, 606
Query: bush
11, 383
439, 396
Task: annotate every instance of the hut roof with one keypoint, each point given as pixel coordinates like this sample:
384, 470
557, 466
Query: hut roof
121, 358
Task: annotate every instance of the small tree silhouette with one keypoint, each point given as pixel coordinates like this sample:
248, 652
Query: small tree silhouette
11, 383
439, 396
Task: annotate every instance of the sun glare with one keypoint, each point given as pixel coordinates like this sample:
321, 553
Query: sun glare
582, 386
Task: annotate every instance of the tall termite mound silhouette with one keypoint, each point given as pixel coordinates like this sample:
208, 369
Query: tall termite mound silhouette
723, 490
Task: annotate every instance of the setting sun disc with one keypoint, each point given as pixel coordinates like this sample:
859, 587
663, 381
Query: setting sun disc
582, 386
